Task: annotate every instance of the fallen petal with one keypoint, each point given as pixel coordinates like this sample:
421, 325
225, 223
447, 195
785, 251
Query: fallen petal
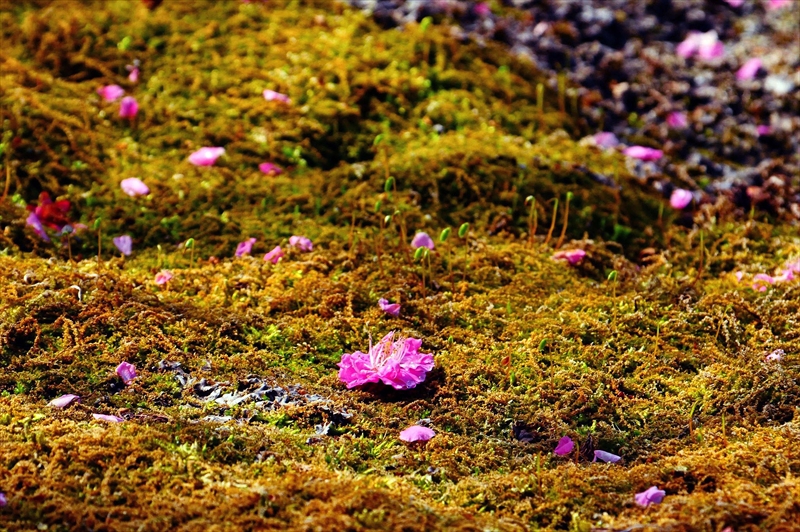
564, 447
133, 186
126, 371
651, 495
606, 457
206, 156
64, 401
107, 418
124, 244
417, 433
680, 198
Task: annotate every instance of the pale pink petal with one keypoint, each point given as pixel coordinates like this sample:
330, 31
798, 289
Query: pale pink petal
133, 186
416, 433
126, 371
651, 495
163, 277
64, 401
275, 255
605, 139
749, 69
302, 243
643, 153
573, 256
134, 75
244, 248
272, 96
124, 244
680, 198
107, 418
421, 240
776, 356
206, 156
111, 93
735, 3
777, 4
606, 457
393, 309
677, 120
689, 46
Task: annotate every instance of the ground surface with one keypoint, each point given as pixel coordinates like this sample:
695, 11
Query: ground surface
650, 348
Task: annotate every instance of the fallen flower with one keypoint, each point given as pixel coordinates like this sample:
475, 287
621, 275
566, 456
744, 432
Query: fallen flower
124, 244
749, 69
416, 433
244, 248
606, 457
680, 198
272, 96
270, 168
133, 186
422, 240
206, 156
677, 120
128, 107
573, 256
643, 153
706, 45
565, 446
300, 242
275, 255
393, 309
108, 418
36, 224
64, 401
126, 371
776, 356
163, 277
651, 495
51, 213
397, 363
111, 93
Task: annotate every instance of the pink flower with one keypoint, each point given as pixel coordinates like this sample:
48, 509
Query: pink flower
573, 256
36, 224
206, 156
761, 280
128, 107
565, 446
677, 120
270, 168
134, 75
396, 363
705, 45
422, 240
111, 93
482, 9
272, 96
126, 371
275, 255
416, 433
606, 457
300, 242
244, 248
680, 198
651, 495
124, 244
763, 130
163, 277
606, 139
739, 276
392, 309
749, 69
64, 401
107, 418
643, 153
777, 4
133, 186
776, 356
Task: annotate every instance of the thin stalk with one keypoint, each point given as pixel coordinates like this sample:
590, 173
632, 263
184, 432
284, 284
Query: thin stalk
552, 223
8, 177
540, 103
566, 220
99, 246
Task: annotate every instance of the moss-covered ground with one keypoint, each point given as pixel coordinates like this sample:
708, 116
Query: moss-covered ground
662, 362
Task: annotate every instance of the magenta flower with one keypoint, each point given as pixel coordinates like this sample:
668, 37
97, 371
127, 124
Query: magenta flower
124, 244
272, 96
606, 139
244, 248
651, 495
111, 93
422, 240
643, 153
706, 45
107, 418
34, 223
393, 309
397, 363
573, 256
482, 9
300, 242
206, 156
564, 447
749, 69
163, 277
606, 457
270, 168
64, 401
133, 186
680, 198
128, 107
763, 130
275, 255
126, 371
677, 120
776, 356
416, 433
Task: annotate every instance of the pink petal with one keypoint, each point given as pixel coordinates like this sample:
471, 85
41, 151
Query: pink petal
680, 198
134, 75
573, 256
643, 153
749, 69
270, 168
482, 9
422, 240
393, 309
677, 120
128, 107
275, 255
606, 457
111, 93
651, 495
244, 248
689, 46
124, 244
35, 223
133, 186
763, 130
605, 139
206, 156
417, 433
272, 96
3, 500
107, 418
163, 277
64, 401
735, 3
126, 371
776, 356
564, 447
777, 4
302, 243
